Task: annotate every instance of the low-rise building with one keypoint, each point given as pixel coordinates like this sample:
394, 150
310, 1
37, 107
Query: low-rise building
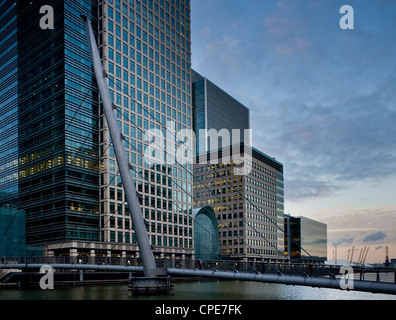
305, 239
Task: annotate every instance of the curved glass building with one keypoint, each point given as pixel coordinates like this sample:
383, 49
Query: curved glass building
206, 234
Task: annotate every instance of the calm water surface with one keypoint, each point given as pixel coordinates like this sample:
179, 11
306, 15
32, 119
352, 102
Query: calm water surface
193, 290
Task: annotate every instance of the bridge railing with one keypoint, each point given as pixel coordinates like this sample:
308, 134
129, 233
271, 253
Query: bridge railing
363, 273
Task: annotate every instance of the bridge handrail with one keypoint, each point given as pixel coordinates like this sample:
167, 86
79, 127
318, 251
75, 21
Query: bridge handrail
364, 273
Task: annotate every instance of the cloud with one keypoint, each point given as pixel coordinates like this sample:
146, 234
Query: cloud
279, 27
342, 241
303, 188
321, 100
377, 236
359, 227
336, 146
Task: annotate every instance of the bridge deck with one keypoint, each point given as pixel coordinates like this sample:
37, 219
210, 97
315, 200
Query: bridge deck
315, 280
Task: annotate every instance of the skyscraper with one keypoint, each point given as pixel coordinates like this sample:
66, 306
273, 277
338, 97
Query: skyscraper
50, 112
9, 133
59, 165
145, 47
214, 109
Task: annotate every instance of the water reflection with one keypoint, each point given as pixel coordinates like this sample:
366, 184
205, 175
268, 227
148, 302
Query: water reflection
193, 290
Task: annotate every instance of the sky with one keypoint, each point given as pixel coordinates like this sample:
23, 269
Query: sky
322, 101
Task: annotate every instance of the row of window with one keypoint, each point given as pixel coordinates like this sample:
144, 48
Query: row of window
57, 161
253, 251
159, 17
155, 240
261, 201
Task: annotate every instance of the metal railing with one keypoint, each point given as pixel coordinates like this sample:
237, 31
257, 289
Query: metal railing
360, 273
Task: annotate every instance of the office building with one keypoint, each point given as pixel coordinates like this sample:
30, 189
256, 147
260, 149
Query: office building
46, 78
145, 47
9, 134
248, 207
214, 109
12, 233
305, 239
58, 165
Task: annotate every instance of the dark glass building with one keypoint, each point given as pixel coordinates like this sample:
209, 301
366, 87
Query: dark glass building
50, 108
10, 234
305, 239
215, 109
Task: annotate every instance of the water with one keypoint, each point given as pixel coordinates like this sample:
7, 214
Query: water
193, 290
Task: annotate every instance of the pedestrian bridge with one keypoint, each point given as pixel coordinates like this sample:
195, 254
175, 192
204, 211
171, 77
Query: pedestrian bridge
374, 280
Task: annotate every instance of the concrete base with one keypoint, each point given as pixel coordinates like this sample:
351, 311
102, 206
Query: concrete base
149, 285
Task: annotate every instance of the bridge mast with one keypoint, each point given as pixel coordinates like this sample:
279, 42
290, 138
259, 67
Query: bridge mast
150, 268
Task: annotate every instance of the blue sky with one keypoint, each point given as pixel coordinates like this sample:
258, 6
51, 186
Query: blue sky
322, 101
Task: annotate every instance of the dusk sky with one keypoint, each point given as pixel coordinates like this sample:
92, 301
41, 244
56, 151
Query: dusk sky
322, 101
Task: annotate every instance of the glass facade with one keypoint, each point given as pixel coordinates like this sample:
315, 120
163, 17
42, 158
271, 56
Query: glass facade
58, 146
12, 234
81, 137
313, 239
145, 47
306, 239
49, 143
280, 211
206, 234
199, 112
56, 159
215, 109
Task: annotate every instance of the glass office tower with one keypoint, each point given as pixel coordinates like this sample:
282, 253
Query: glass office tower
145, 47
49, 124
10, 234
215, 109
58, 161
57, 125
